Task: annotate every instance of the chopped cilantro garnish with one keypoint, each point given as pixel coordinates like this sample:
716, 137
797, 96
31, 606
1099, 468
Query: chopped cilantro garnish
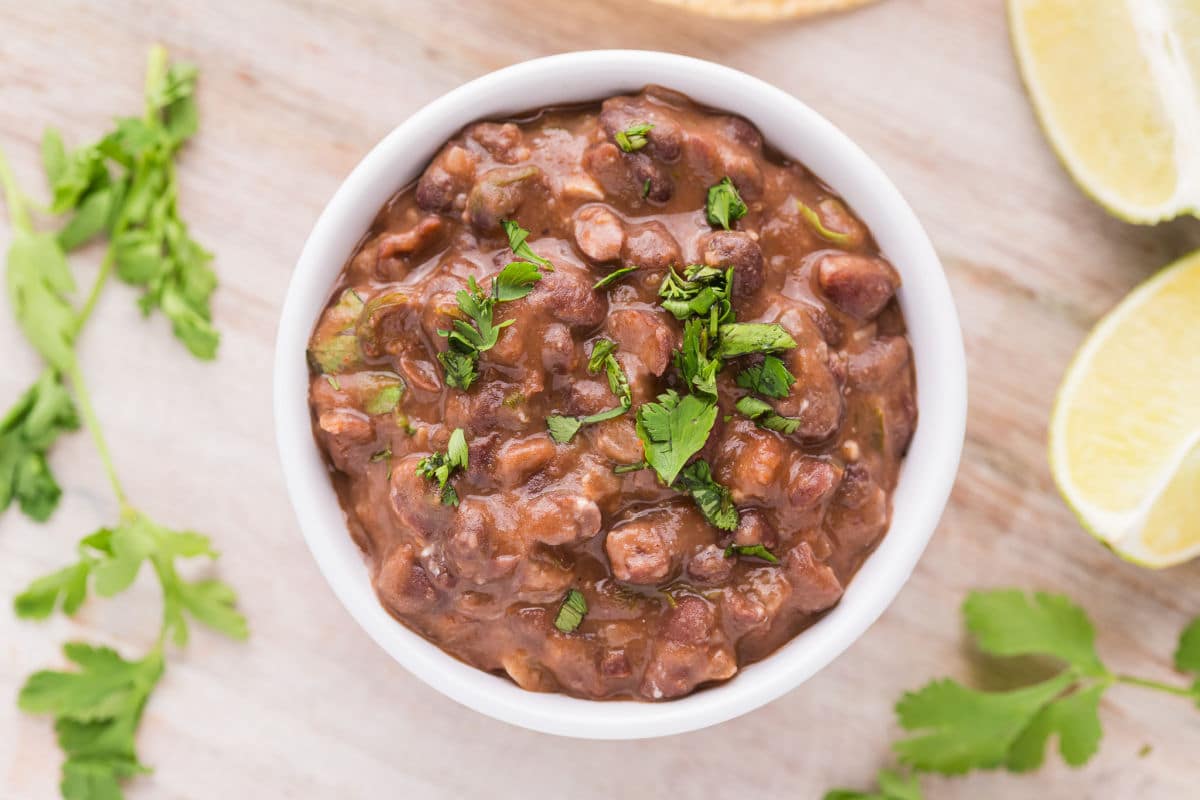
712, 498
646, 188
770, 378
766, 417
521, 249
703, 291
468, 340
752, 550
572, 611
633, 137
440, 466
743, 338
563, 429
725, 205
698, 369
673, 430
614, 276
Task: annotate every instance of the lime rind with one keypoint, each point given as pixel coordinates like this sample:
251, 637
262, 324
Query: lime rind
1121, 531
1180, 94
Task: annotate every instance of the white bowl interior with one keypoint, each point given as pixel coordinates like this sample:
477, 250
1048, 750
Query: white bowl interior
799, 132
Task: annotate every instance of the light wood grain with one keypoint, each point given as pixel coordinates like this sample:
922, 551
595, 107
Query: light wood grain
292, 95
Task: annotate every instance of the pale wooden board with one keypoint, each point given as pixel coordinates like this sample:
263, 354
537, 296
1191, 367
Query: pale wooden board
292, 96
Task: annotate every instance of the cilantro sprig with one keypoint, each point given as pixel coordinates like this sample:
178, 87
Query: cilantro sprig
725, 206
517, 237
614, 276
701, 291
439, 467
634, 137
713, 499
751, 551
952, 729
124, 187
563, 429
469, 339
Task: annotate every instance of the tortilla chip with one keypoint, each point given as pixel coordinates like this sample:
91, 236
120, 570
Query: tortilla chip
763, 9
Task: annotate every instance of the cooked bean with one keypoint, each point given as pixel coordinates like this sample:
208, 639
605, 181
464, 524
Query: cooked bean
651, 247
502, 141
498, 194
560, 518
859, 285
815, 587
736, 249
599, 233
645, 334
403, 583
642, 550
710, 566
517, 459
879, 363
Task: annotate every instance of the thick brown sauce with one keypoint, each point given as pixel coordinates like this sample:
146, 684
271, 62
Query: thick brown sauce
667, 611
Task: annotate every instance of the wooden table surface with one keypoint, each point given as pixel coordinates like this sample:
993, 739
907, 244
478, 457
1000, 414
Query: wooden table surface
292, 95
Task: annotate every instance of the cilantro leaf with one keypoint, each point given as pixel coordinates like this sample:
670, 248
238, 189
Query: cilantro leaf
725, 205
770, 378
572, 611
1074, 718
752, 550
97, 710
702, 291
603, 357
634, 137
38, 281
698, 369
515, 281
468, 340
958, 729
1010, 623
1187, 654
614, 276
766, 417
892, 786
712, 498
673, 430
563, 429
27, 432
521, 249
439, 467
743, 338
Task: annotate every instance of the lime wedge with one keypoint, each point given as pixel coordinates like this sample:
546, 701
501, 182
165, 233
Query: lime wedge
1116, 84
1125, 433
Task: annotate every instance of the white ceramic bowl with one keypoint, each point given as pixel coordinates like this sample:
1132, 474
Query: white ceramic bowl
795, 130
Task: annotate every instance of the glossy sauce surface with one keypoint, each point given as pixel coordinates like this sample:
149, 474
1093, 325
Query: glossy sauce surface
667, 610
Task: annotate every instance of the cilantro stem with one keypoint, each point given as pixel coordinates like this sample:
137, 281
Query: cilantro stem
94, 294
93, 425
17, 210
1146, 683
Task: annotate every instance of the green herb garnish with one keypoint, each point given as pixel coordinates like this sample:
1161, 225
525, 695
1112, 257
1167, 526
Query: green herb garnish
766, 417
724, 205
622, 469
468, 340
702, 292
613, 277
124, 187
440, 467
699, 370
27, 432
814, 219
953, 729
751, 550
673, 430
770, 378
892, 786
521, 249
646, 188
563, 429
743, 338
572, 611
633, 137
711, 498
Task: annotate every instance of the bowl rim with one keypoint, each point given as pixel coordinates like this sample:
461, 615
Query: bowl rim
927, 474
